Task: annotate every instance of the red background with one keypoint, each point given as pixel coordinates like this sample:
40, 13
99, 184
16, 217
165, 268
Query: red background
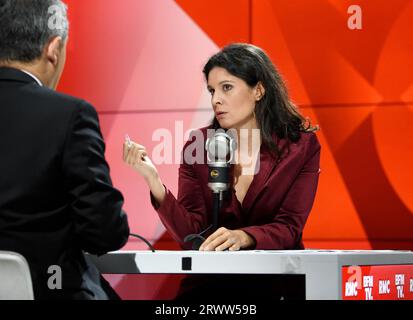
131, 59
139, 63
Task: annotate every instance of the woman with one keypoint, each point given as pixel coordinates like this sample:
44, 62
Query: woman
272, 195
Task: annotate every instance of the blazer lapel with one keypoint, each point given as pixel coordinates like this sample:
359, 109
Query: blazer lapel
267, 164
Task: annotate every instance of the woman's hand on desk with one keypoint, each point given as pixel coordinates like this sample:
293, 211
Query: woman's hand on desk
135, 155
223, 239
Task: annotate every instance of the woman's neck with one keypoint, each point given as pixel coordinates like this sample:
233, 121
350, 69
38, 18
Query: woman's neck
248, 144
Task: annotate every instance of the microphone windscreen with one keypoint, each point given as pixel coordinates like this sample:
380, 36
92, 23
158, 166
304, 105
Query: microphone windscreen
219, 147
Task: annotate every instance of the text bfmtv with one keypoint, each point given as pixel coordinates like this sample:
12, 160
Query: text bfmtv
379, 282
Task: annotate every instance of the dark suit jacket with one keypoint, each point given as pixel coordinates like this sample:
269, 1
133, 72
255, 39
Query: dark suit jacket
274, 210
56, 196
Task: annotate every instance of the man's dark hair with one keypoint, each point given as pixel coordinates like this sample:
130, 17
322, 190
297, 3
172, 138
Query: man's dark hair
27, 25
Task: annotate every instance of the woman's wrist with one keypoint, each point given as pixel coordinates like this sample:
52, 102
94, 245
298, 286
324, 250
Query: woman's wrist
152, 178
247, 241
157, 188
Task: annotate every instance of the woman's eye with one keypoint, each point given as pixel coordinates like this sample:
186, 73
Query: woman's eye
211, 91
227, 87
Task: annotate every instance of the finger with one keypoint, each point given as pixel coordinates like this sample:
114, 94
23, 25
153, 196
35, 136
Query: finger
227, 244
132, 156
217, 242
209, 242
137, 145
217, 233
235, 247
128, 154
206, 243
212, 237
140, 157
142, 154
136, 158
126, 149
128, 145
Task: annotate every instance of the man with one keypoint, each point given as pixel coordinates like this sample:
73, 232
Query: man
56, 196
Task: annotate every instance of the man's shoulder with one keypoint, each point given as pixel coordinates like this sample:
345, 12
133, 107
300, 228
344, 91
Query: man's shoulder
58, 98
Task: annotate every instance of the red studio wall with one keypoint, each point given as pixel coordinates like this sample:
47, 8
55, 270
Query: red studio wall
139, 63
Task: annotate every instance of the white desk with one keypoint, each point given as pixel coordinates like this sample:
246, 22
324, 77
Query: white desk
322, 268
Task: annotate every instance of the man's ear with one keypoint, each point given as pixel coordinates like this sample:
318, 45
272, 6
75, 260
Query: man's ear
53, 50
259, 91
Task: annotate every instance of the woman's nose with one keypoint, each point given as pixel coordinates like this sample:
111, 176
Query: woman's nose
216, 99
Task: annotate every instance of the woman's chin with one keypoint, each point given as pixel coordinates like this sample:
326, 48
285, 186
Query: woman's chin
224, 124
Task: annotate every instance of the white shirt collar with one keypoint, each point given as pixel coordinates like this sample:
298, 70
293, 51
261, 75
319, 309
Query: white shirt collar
33, 76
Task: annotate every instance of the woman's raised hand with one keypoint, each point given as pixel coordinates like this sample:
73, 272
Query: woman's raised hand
135, 155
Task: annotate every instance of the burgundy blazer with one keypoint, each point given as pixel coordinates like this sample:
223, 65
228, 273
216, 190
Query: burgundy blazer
274, 210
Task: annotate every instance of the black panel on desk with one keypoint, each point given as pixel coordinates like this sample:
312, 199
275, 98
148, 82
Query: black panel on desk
242, 287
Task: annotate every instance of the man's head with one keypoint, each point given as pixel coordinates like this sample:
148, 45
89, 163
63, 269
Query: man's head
33, 37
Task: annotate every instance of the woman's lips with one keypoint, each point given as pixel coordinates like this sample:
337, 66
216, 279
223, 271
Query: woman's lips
220, 115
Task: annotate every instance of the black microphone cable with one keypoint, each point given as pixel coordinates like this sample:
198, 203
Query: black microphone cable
197, 238
143, 239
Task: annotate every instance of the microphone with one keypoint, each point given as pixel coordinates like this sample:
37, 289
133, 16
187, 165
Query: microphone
220, 152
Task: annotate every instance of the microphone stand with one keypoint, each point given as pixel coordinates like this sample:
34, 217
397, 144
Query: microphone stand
219, 177
197, 238
217, 197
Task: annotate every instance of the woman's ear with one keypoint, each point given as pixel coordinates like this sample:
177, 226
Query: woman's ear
259, 91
